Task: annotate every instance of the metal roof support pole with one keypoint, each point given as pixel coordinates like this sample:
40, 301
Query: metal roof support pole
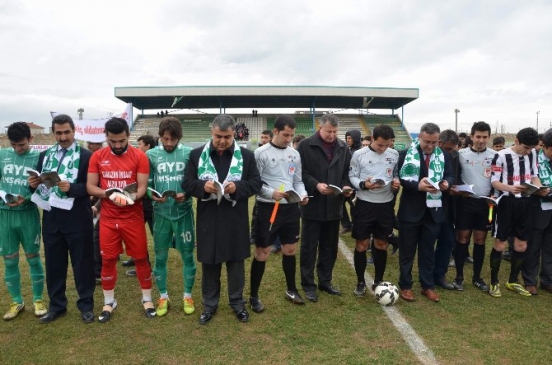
402, 117
313, 113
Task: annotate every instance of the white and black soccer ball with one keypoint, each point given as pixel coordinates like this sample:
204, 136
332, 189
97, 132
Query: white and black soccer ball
386, 293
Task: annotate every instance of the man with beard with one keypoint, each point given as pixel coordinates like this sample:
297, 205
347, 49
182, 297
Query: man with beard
67, 227
222, 176
173, 225
117, 167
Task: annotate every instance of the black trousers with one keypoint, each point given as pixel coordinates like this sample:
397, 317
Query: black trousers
421, 236
57, 249
210, 285
538, 255
321, 237
97, 251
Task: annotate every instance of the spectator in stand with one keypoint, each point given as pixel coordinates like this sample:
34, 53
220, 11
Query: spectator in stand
94, 146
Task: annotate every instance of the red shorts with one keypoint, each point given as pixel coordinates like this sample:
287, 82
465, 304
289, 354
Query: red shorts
133, 233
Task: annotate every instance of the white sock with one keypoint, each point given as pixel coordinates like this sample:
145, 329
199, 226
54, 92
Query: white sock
109, 296
146, 295
188, 295
164, 295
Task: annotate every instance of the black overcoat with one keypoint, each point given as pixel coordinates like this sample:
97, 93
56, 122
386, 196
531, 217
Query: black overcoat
222, 231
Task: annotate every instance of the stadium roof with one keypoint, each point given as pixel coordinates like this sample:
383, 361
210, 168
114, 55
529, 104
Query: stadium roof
276, 97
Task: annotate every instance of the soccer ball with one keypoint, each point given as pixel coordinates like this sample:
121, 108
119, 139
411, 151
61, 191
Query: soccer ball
386, 294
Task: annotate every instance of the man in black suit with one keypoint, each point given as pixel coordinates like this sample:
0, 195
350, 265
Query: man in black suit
222, 223
67, 227
421, 208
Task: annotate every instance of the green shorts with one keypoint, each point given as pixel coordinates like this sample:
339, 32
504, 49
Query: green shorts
19, 226
182, 230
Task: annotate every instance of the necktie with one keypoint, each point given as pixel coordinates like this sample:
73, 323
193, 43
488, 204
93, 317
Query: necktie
63, 153
427, 159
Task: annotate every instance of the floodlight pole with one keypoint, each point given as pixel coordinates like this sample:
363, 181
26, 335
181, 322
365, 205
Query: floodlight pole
538, 121
80, 111
456, 111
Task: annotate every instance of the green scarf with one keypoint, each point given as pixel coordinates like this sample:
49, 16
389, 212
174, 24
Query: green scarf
68, 170
206, 170
410, 171
545, 176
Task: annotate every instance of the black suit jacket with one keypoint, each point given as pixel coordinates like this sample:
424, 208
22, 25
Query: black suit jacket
79, 218
412, 206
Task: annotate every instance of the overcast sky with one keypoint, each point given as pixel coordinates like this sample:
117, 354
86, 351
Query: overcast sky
489, 59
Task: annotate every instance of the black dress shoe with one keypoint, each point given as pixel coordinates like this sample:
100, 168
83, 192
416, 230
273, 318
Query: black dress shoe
206, 317
51, 316
445, 284
329, 289
88, 317
242, 315
128, 263
311, 295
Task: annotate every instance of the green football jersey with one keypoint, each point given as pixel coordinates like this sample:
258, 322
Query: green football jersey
13, 175
167, 173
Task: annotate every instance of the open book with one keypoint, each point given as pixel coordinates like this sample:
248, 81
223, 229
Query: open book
337, 190
435, 184
165, 194
465, 189
294, 197
49, 178
532, 189
380, 183
220, 190
7, 197
118, 195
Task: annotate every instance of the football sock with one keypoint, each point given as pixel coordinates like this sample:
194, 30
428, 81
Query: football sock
187, 295
380, 261
460, 253
257, 272
13, 278
288, 264
146, 295
478, 258
496, 257
109, 296
143, 272
164, 295
189, 268
515, 268
37, 276
360, 265
160, 269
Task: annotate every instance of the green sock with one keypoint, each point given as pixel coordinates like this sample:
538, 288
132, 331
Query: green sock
37, 276
189, 268
13, 278
160, 270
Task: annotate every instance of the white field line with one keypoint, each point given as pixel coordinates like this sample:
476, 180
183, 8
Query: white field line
419, 348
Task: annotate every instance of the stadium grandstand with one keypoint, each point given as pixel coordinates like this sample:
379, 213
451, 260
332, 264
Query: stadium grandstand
311, 102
